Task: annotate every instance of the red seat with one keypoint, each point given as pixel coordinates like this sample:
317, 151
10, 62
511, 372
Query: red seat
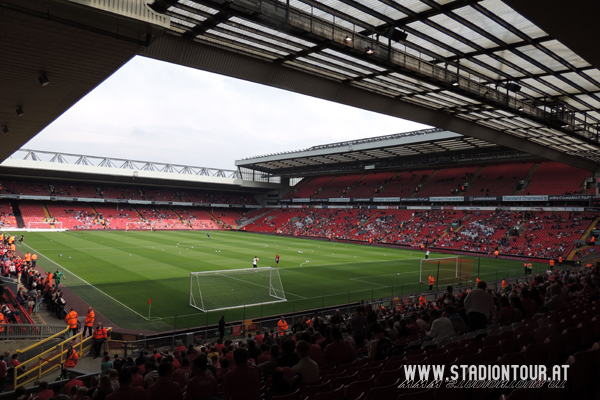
312, 389
512, 359
337, 394
554, 349
343, 380
383, 392
473, 347
438, 359
359, 388
509, 346
424, 395
367, 372
489, 354
292, 396
416, 359
387, 378
535, 354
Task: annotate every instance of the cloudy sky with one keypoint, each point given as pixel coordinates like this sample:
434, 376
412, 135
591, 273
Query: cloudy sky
155, 111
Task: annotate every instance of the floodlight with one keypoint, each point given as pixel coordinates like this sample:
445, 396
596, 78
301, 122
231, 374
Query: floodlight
370, 50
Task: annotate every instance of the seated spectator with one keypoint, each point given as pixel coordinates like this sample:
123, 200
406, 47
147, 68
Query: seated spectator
506, 315
125, 390
104, 388
243, 383
339, 351
441, 326
165, 388
306, 367
204, 385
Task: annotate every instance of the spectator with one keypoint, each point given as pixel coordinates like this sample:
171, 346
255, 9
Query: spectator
104, 388
203, 386
441, 326
480, 307
165, 388
306, 367
125, 390
243, 383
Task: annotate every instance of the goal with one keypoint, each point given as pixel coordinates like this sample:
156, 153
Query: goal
233, 288
44, 226
138, 225
446, 270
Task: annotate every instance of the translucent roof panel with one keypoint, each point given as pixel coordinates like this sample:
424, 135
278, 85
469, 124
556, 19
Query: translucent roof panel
427, 31
487, 25
507, 14
351, 11
449, 23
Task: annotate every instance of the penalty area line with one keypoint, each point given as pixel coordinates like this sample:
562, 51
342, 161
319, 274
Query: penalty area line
87, 283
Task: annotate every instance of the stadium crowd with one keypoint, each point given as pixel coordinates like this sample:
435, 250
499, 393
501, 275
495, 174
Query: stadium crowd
325, 352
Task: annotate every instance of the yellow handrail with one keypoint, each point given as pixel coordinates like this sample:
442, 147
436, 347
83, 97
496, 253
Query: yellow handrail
43, 341
41, 362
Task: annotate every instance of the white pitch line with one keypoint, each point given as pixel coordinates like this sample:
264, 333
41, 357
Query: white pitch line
86, 282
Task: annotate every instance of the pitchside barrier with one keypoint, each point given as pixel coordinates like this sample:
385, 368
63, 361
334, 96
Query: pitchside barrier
239, 328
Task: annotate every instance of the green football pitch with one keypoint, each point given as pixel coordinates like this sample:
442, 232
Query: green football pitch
119, 272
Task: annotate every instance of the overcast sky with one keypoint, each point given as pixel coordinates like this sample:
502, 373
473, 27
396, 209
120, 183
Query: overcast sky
155, 111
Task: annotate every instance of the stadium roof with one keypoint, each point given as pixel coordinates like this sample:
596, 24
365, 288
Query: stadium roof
524, 77
416, 149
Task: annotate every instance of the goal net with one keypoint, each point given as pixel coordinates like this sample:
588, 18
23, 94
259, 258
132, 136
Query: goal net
446, 271
44, 226
226, 289
138, 225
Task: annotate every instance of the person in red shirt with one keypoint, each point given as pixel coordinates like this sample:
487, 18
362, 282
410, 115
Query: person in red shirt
265, 354
203, 386
72, 382
43, 392
165, 388
3, 369
183, 374
125, 390
338, 351
136, 379
243, 383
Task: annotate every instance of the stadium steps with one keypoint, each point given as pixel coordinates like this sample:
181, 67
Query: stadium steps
17, 214
527, 177
590, 228
472, 180
424, 183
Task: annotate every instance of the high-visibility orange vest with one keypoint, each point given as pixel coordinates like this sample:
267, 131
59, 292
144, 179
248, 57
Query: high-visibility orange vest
282, 326
34, 257
478, 280
503, 284
71, 319
559, 259
2, 322
431, 280
552, 263
27, 256
89, 318
71, 361
496, 253
100, 333
422, 300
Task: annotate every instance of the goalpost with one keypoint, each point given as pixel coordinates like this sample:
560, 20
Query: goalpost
233, 288
446, 270
44, 226
138, 225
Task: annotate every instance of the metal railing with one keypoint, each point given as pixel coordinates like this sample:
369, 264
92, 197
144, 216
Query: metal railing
50, 359
26, 331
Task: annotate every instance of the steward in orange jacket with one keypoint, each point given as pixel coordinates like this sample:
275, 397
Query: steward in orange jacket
282, 326
89, 321
71, 319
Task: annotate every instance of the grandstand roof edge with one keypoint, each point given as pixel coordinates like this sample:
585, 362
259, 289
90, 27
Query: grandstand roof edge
355, 145
52, 170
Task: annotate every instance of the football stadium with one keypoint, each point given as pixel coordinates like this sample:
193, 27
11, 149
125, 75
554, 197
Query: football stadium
322, 272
